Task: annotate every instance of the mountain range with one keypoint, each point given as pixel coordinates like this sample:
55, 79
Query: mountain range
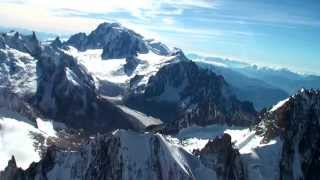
112, 104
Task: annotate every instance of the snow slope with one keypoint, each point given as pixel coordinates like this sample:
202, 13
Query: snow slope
144, 120
46, 127
112, 70
124, 155
17, 137
256, 156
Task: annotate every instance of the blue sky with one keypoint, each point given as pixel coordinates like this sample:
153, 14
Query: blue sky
277, 33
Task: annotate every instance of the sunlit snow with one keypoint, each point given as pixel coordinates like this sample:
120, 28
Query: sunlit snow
15, 139
46, 127
256, 155
112, 69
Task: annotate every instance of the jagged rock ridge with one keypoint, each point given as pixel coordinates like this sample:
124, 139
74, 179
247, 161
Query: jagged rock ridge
197, 97
297, 121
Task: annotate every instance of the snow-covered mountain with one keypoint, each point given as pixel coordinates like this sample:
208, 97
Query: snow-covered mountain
65, 102
48, 82
141, 78
129, 155
128, 44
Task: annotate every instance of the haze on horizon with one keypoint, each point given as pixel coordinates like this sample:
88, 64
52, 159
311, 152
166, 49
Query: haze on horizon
276, 33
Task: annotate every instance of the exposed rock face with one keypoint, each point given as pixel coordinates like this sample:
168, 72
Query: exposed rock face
198, 97
11, 171
300, 121
35, 171
57, 43
2, 43
121, 155
78, 41
297, 121
67, 93
24, 43
219, 155
130, 66
17, 80
115, 40
18, 71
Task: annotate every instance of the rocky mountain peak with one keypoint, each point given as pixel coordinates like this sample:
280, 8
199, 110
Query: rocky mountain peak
57, 43
24, 43
104, 27
297, 122
178, 53
115, 40
219, 155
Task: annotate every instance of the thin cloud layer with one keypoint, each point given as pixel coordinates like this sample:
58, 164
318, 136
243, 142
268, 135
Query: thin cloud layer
262, 31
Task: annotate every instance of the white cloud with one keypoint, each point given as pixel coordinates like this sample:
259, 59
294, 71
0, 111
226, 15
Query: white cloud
137, 8
52, 15
168, 21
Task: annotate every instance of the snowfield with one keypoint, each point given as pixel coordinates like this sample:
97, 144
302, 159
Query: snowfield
255, 155
112, 70
17, 137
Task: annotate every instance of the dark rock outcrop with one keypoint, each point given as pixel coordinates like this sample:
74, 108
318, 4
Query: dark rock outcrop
57, 43
78, 41
219, 154
300, 121
24, 43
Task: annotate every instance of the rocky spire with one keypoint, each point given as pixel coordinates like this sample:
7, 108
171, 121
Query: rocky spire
219, 155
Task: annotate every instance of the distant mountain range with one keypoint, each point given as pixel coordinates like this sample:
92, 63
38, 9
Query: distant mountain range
262, 85
43, 36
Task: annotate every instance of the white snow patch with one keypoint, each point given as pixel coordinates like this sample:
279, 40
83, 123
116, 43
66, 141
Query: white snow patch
143, 119
112, 70
46, 127
15, 139
263, 160
72, 77
196, 137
